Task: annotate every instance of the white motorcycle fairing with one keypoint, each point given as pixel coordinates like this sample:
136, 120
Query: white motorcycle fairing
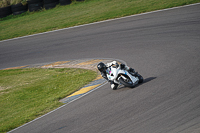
115, 74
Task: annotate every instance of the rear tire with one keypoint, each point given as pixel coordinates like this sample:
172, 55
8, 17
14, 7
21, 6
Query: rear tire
126, 83
19, 8
65, 2
140, 78
35, 5
5, 11
50, 5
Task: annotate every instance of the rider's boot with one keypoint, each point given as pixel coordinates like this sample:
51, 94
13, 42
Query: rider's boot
127, 68
113, 85
132, 71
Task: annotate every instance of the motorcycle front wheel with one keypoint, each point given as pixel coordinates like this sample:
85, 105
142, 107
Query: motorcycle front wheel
126, 82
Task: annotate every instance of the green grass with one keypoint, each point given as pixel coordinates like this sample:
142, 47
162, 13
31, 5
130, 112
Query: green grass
29, 93
79, 13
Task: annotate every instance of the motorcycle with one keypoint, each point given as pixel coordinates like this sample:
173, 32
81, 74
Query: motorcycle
123, 77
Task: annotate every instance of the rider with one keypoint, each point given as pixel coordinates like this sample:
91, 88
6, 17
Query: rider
103, 67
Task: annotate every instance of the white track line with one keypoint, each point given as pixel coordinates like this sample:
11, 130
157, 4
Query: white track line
101, 22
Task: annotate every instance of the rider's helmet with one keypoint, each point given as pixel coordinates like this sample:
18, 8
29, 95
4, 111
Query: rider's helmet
101, 67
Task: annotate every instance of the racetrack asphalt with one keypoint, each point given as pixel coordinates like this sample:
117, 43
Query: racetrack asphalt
162, 46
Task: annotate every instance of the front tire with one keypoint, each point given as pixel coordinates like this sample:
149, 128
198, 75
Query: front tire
126, 82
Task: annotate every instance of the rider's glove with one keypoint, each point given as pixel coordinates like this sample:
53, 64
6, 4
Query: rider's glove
122, 66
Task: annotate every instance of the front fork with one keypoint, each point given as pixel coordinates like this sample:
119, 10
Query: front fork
133, 79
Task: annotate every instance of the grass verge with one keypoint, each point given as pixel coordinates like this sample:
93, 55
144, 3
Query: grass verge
79, 13
29, 93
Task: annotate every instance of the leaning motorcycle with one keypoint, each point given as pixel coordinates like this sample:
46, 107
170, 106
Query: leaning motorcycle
123, 77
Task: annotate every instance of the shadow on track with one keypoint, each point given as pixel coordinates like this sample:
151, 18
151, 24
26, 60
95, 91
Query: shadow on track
144, 82
148, 80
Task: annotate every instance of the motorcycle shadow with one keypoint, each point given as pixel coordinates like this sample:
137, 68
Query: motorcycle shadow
144, 82
148, 79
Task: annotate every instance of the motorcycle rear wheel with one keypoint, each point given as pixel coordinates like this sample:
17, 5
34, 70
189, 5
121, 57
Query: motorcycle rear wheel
140, 78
